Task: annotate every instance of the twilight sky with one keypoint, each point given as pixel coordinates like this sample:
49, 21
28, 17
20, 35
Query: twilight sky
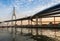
23, 7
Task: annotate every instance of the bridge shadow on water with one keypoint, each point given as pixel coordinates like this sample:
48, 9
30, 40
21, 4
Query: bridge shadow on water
41, 37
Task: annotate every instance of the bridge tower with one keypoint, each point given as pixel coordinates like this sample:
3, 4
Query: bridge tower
13, 23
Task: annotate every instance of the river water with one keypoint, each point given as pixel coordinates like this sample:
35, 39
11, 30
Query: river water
54, 33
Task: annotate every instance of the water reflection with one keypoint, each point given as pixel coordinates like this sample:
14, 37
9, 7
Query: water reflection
48, 33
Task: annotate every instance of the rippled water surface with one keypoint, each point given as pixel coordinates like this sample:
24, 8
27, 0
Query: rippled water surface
6, 35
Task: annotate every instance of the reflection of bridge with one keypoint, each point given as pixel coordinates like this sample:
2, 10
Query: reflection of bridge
38, 20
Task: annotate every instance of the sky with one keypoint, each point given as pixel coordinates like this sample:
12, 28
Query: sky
23, 8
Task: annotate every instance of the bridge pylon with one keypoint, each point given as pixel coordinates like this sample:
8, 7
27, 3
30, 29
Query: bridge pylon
13, 23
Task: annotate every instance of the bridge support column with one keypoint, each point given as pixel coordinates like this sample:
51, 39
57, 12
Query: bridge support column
55, 28
1, 26
31, 28
28, 25
7, 27
41, 25
15, 27
36, 25
54, 20
21, 26
12, 28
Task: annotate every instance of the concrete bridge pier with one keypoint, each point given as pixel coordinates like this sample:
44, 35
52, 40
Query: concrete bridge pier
41, 25
2, 26
31, 28
55, 29
36, 25
21, 27
28, 26
7, 27
15, 27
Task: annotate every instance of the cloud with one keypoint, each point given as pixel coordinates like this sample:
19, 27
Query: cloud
35, 10
30, 0
25, 7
